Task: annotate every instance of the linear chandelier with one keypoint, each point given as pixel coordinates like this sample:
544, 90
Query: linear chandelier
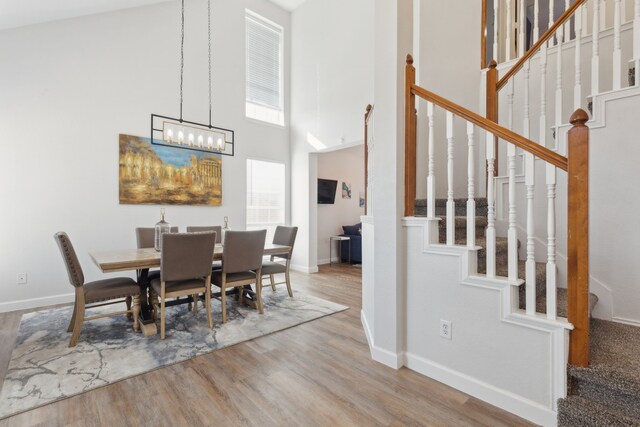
180, 133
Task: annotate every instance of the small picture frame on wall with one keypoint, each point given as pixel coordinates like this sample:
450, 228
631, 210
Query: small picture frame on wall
361, 200
346, 190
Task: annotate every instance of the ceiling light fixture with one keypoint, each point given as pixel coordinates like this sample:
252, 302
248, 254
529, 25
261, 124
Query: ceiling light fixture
180, 133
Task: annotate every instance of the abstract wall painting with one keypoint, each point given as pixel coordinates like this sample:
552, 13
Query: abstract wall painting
161, 175
346, 190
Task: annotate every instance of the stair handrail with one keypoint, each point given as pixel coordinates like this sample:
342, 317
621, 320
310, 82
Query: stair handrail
536, 46
576, 164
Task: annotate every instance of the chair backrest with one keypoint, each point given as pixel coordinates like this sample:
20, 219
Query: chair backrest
74, 270
285, 236
243, 250
145, 236
216, 228
186, 255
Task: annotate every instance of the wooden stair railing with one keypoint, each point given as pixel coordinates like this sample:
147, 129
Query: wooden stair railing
367, 116
576, 164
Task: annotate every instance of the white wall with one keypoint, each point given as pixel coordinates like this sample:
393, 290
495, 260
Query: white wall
331, 84
345, 165
72, 86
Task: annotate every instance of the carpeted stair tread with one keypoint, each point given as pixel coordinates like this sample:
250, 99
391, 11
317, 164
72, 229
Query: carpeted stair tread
420, 207
461, 222
561, 302
576, 411
615, 358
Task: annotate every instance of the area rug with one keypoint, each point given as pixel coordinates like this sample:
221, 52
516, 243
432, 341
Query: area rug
43, 369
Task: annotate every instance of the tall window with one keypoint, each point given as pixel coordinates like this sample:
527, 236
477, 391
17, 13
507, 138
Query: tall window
265, 196
264, 97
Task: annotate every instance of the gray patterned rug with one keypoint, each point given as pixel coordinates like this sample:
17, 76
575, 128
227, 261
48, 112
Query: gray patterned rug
43, 369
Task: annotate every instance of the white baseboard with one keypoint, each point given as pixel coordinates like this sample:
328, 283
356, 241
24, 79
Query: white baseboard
381, 355
326, 261
631, 322
503, 399
27, 304
303, 269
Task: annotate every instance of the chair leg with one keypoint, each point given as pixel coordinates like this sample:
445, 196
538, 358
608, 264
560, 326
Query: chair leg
288, 281
153, 300
136, 313
79, 318
195, 303
223, 300
73, 317
129, 312
273, 282
259, 296
207, 299
162, 314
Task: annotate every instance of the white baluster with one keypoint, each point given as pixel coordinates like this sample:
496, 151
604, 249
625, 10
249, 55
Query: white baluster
551, 21
508, 38
531, 246
595, 59
617, 53
636, 40
522, 28
577, 89
451, 206
496, 22
431, 179
585, 19
471, 201
551, 242
510, 104
543, 95
558, 110
491, 208
603, 15
512, 234
536, 21
526, 67
567, 25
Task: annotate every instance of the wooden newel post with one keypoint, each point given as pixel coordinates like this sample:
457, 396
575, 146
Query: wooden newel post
492, 106
578, 245
409, 139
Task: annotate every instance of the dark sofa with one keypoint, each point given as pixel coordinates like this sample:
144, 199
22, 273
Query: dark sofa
354, 233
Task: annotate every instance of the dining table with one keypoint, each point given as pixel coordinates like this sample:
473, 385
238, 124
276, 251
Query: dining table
141, 260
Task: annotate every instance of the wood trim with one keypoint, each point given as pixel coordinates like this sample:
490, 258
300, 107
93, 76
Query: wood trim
578, 239
543, 39
410, 139
367, 116
526, 144
483, 36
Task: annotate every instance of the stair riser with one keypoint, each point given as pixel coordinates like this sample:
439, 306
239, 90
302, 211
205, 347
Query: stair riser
627, 403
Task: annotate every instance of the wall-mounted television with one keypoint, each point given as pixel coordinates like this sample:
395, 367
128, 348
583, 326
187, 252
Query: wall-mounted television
327, 191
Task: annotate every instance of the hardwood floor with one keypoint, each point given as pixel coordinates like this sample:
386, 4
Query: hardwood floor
317, 373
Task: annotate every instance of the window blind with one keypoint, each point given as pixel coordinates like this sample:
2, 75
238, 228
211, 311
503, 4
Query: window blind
264, 62
265, 196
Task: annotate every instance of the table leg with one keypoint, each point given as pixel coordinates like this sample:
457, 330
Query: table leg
145, 319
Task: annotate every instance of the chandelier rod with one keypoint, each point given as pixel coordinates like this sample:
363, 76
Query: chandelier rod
209, 22
182, 61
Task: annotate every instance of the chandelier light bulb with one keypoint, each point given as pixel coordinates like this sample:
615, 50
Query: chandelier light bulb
210, 143
219, 144
190, 140
200, 141
170, 136
180, 137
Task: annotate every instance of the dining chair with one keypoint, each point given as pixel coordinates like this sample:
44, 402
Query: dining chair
216, 228
241, 265
283, 236
145, 238
99, 293
185, 270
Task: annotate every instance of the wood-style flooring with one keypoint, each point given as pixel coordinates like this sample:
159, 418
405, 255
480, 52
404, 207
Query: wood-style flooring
317, 373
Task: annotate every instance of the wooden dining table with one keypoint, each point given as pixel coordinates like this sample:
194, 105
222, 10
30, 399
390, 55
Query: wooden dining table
142, 260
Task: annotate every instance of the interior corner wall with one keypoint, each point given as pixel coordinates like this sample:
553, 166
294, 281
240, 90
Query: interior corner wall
331, 85
72, 86
345, 165
449, 65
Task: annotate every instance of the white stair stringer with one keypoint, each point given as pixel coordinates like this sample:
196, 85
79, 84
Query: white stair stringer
497, 353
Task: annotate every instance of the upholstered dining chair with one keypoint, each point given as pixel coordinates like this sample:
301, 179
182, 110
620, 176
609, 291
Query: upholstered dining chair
145, 238
216, 228
185, 270
98, 293
241, 265
283, 236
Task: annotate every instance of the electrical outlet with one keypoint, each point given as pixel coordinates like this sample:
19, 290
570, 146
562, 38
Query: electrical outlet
21, 279
445, 329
